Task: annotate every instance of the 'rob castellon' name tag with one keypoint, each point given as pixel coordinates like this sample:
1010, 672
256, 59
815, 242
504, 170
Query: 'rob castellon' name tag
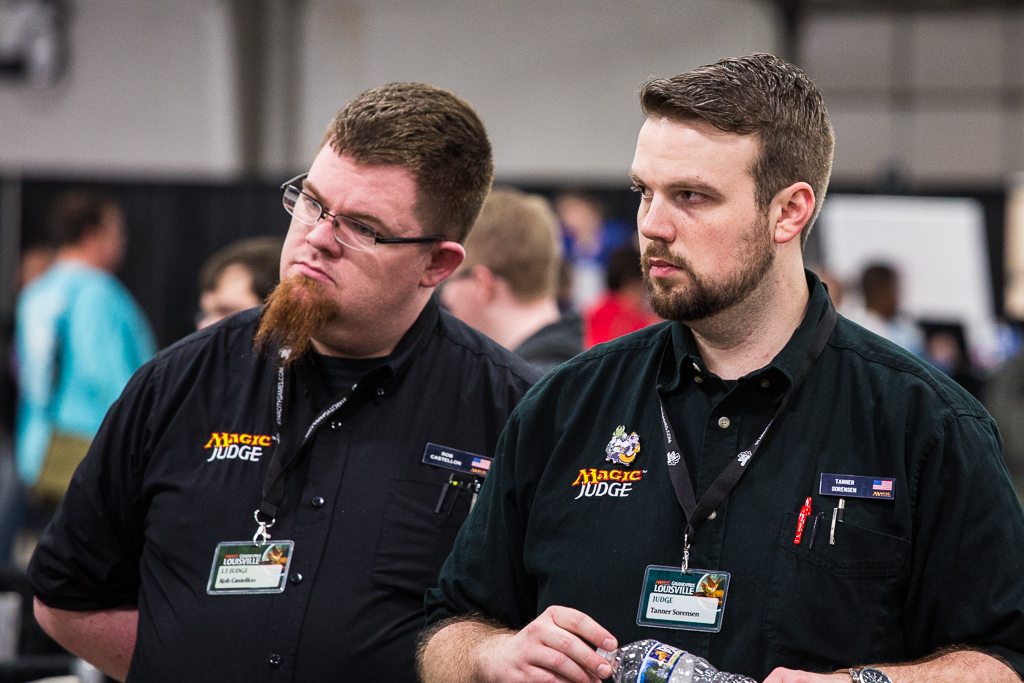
852, 486
454, 459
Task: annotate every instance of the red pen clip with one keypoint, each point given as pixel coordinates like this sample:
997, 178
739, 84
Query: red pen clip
804, 512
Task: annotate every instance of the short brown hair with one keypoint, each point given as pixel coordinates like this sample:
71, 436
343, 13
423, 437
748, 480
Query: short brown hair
517, 237
433, 135
76, 214
261, 256
763, 95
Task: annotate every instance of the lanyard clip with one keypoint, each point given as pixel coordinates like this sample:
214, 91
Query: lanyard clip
686, 553
261, 536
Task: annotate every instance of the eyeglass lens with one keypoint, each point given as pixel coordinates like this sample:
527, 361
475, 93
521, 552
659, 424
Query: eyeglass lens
346, 230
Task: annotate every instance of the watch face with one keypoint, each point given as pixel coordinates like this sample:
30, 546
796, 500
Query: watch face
873, 676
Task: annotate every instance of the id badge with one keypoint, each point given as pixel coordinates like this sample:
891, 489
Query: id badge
691, 601
244, 567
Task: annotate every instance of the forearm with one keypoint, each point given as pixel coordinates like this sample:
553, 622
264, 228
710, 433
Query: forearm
104, 638
959, 666
449, 653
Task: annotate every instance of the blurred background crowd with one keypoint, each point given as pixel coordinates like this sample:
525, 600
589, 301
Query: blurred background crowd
142, 146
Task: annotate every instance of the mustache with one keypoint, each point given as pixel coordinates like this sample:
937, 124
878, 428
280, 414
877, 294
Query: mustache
660, 250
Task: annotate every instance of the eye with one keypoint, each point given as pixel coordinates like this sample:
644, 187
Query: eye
642, 190
361, 229
692, 197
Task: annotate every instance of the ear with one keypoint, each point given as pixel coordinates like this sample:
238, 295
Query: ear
445, 257
792, 208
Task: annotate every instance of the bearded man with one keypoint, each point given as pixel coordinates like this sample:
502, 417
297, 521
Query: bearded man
272, 496
758, 482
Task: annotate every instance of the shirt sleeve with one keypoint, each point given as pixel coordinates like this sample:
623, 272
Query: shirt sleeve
485, 573
88, 556
968, 547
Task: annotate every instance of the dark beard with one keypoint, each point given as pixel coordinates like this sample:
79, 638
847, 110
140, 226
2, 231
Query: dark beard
703, 297
296, 310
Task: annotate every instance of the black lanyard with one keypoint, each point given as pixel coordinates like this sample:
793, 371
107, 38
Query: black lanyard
697, 511
285, 458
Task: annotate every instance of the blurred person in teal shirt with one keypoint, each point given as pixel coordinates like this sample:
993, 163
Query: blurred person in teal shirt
79, 336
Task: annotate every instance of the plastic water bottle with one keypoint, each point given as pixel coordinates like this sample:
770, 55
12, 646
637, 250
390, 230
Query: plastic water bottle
648, 661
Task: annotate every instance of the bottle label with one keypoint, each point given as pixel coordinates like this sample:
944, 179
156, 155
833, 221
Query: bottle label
658, 663
692, 600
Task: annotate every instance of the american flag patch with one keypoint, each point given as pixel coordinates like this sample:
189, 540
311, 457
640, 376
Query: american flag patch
482, 463
882, 485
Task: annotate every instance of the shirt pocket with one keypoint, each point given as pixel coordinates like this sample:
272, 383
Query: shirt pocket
414, 540
833, 605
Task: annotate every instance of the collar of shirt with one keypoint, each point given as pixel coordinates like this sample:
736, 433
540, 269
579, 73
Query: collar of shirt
778, 374
382, 378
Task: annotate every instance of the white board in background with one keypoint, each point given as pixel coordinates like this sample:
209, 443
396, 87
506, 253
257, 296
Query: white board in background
937, 244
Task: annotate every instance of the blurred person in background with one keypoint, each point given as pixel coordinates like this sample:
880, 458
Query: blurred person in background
272, 496
588, 241
881, 313
506, 287
625, 306
35, 260
79, 337
238, 277
1004, 398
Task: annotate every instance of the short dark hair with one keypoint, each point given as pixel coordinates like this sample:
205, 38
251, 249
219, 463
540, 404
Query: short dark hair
75, 214
432, 134
623, 268
261, 256
763, 95
878, 277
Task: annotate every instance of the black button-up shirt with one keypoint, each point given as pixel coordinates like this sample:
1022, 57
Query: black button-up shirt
940, 564
155, 496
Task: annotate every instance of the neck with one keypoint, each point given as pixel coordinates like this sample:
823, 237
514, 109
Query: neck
514, 322
82, 254
749, 335
376, 338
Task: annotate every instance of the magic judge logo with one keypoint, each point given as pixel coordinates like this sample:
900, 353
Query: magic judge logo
231, 446
597, 483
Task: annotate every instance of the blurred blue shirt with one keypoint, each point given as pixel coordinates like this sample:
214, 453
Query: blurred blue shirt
104, 338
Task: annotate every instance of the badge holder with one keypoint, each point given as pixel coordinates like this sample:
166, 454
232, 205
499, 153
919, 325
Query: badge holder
247, 567
683, 597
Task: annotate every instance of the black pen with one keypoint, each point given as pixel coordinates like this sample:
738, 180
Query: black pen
444, 492
814, 529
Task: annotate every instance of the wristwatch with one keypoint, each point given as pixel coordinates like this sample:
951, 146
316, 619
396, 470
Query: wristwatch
868, 675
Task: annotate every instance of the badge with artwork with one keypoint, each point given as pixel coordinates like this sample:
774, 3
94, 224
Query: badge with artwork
623, 448
246, 567
693, 600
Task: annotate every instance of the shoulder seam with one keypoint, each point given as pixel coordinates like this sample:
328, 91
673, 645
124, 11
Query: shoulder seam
962, 411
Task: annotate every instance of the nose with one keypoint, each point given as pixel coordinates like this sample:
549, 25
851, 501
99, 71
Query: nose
321, 237
654, 220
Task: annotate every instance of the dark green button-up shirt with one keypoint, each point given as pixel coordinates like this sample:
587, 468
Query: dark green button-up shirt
940, 564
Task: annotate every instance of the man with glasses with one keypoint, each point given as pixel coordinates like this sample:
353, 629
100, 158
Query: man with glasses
272, 496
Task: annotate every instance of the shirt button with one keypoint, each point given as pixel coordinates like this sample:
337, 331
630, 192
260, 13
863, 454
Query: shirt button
723, 422
698, 379
295, 578
336, 425
317, 501
765, 383
712, 515
275, 660
380, 391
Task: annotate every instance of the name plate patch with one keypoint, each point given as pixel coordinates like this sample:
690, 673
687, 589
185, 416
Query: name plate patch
854, 486
454, 459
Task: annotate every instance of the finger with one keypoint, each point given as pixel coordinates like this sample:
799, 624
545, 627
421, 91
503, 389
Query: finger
571, 657
551, 665
577, 622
